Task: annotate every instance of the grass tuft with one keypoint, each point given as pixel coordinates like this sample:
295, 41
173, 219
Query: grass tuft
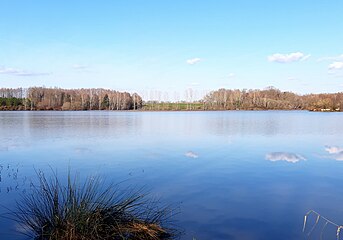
90, 211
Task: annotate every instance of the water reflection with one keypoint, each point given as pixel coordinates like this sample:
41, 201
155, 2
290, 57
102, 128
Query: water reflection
284, 156
82, 150
191, 154
3, 149
10, 180
333, 149
228, 192
335, 152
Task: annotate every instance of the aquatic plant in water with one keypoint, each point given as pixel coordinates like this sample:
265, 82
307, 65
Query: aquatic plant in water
91, 211
325, 222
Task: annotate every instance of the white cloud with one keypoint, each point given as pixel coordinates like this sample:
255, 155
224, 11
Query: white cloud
191, 154
288, 58
193, 61
284, 156
231, 75
336, 66
22, 73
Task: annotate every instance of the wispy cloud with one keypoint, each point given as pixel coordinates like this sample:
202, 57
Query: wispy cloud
335, 152
288, 58
194, 84
191, 154
7, 70
80, 67
336, 66
231, 75
32, 74
334, 58
284, 156
21, 73
193, 61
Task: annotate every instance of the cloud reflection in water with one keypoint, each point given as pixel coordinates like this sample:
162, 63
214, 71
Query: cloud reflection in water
191, 154
335, 152
284, 156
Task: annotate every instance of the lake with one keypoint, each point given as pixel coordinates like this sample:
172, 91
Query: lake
231, 174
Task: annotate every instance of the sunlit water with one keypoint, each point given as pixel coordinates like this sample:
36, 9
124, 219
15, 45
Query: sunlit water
232, 175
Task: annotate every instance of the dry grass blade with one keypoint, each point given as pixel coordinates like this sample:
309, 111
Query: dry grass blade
320, 218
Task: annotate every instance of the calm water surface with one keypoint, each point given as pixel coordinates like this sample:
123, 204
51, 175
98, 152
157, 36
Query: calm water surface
234, 175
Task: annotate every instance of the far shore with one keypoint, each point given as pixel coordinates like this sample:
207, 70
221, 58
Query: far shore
270, 98
170, 110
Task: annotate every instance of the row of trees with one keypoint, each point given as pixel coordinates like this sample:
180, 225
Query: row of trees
13, 92
271, 98
11, 103
41, 98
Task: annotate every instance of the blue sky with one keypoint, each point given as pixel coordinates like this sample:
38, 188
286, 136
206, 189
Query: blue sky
172, 45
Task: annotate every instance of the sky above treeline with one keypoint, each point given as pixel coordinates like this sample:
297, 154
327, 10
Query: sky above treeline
172, 45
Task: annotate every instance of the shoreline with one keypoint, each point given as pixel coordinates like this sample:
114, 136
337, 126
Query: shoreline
179, 110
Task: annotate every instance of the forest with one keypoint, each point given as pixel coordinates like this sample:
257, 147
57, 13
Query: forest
42, 98
271, 99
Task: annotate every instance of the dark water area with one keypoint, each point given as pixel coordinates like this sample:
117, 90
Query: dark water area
232, 175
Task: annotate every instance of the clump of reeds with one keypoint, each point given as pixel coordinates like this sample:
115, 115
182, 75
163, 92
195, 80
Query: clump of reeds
90, 211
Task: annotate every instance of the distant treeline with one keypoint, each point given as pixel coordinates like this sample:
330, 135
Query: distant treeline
266, 99
272, 98
41, 98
